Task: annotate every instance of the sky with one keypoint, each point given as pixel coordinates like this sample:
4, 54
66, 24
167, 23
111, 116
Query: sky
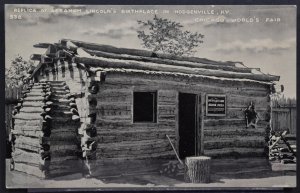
260, 36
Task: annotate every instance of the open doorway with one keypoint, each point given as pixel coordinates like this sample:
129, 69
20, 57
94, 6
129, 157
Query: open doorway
188, 108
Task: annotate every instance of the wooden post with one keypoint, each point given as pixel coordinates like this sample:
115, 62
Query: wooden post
290, 113
177, 156
197, 169
198, 125
202, 124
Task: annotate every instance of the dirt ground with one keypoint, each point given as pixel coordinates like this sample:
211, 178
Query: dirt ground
151, 181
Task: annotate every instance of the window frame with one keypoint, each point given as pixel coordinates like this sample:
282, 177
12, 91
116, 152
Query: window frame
155, 109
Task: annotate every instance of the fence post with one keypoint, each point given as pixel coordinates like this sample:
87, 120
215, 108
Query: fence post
290, 108
12, 94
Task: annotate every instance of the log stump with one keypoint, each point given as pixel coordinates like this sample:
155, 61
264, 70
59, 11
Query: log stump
197, 169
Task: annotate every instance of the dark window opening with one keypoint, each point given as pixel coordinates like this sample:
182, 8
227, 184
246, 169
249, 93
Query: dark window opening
144, 107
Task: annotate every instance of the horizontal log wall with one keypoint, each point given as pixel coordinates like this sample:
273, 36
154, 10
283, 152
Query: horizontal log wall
75, 76
119, 137
223, 136
71, 73
113, 111
66, 79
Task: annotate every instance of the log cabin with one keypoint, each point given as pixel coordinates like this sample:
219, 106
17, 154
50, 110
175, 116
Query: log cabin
88, 104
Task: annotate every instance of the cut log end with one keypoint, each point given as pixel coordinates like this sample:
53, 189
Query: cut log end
197, 169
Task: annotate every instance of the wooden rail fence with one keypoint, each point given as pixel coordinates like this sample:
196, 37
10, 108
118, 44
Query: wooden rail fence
284, 115
12, 94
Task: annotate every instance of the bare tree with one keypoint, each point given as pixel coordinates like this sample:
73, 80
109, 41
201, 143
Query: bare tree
167, 36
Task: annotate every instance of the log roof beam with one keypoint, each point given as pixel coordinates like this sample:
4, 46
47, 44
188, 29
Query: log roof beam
104, 56
51, 48
36, 57
167, 61
145, 53
114, 63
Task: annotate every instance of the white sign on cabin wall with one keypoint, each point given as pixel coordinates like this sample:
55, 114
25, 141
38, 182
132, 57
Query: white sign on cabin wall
215, 105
